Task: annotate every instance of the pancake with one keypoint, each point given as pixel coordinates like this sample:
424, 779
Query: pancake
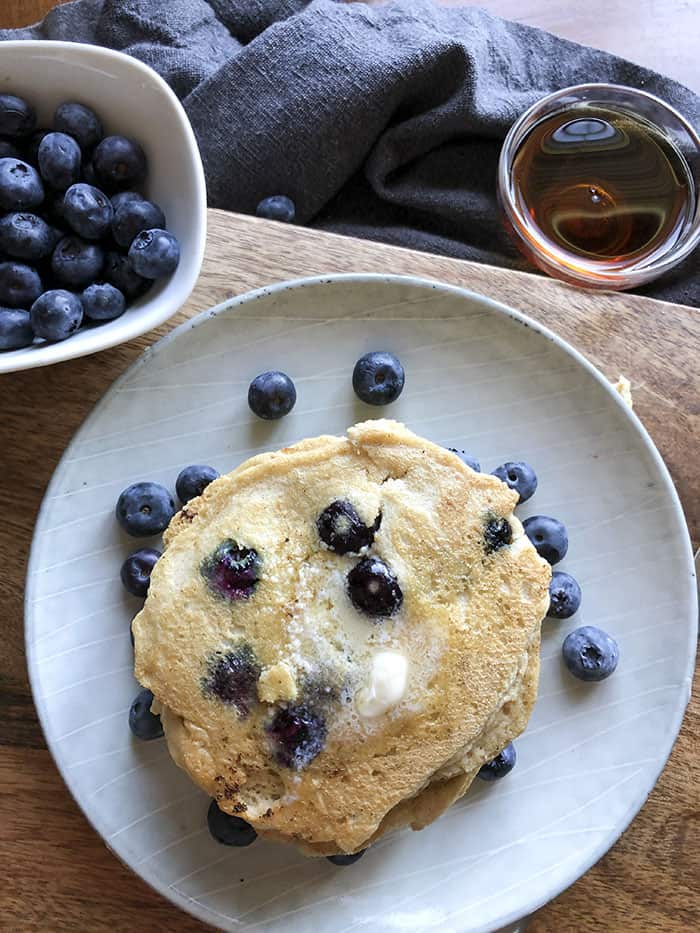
340, 633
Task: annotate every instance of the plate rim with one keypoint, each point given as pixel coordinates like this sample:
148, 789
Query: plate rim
178, 898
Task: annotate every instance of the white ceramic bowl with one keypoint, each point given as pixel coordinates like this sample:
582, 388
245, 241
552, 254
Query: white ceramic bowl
131, 99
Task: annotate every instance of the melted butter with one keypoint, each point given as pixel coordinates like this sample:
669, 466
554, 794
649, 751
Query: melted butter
386, 685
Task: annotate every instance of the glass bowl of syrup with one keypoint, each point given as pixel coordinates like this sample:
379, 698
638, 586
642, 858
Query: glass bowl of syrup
599, 185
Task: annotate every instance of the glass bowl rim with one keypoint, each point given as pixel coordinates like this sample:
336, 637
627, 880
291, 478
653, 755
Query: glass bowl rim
559, 260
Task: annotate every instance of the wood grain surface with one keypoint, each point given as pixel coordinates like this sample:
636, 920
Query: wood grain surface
661, 34
58, 875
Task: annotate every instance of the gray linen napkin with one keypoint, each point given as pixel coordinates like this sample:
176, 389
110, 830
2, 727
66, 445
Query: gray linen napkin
384, 123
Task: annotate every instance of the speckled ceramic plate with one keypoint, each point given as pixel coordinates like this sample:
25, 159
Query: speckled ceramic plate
478, 376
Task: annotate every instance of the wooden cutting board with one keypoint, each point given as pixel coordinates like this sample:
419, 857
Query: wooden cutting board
58, 875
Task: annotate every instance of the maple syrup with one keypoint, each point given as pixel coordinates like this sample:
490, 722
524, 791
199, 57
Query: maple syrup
603, 185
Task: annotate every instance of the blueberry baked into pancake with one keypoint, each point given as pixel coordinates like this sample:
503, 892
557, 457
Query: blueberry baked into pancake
341, 633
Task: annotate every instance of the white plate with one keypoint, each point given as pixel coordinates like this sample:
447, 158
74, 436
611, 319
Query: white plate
478, 376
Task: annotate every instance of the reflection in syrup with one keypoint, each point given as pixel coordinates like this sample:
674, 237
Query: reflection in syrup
606, 186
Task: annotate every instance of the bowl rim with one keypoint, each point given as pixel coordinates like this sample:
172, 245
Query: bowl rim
555, 260
47, 354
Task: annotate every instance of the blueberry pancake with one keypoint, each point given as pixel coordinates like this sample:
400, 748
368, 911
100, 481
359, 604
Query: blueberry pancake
340, 633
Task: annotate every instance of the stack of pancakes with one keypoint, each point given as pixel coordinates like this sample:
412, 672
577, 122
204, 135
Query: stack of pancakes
288, 658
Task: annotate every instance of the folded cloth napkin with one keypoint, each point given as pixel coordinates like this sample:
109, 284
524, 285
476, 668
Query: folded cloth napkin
381, 122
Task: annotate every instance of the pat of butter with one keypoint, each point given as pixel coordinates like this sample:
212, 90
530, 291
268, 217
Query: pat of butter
386, 686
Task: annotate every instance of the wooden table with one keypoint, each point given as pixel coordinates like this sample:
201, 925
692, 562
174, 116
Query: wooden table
58, 875
55, 865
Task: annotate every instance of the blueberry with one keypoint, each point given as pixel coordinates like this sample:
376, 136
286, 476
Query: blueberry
123, 197
20, 186
233, 677
519, 476
56, 234
229, 830
87, 173
80, 122
345, 859
59, 160
20, 285
25, 236
48, 279
53, 209
15, 329
499, 766
342, 530
76, 262
373, 588
590, 653
298, 736
143, 723
470, 461
564, 596
87, 211
136, 570
132, 217
103, 302
56, 315
119, 162
119, 272
193, 480
378, 378
232, 571
8, 150
145, 509
17, 118
31, 147
271, 395
497, 534
548, 536
154, 253
278, 207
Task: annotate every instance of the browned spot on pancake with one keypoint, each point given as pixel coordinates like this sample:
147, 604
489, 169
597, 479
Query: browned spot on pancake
231, 791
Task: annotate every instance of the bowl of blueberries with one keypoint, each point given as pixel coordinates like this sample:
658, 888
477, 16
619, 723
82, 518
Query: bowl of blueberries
102, 202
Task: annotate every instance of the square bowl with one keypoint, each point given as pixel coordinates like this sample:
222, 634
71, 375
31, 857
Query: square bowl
132, 100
